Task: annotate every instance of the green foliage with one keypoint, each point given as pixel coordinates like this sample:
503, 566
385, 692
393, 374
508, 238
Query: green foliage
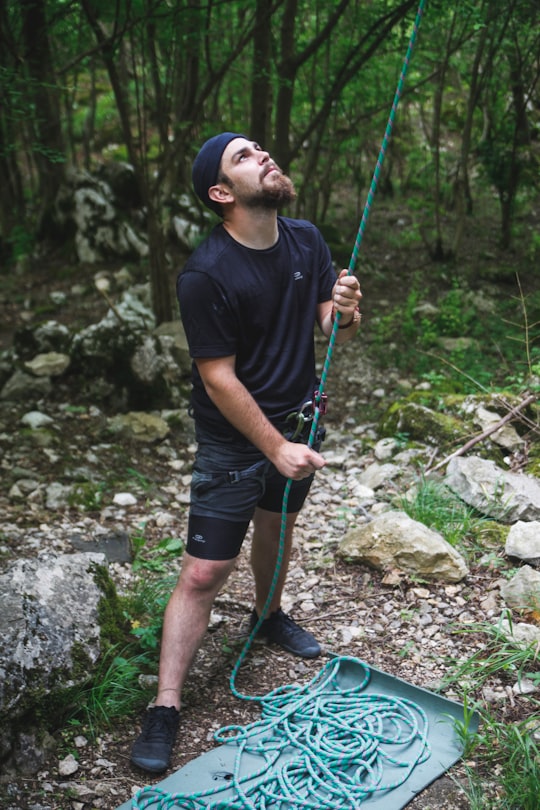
145, 604
466, 729
158, 558
21, 241
131, 630
499, 656
114, 691
144, 608
510, 752
437, 507
113, 626
458, 346
506, 751
163, 80
88, 495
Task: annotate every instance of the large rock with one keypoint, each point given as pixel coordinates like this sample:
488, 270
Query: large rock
505, 436
47, 606
50, 364
521, 634
522, 592
144, 427
48, 336
89, 206
21, 387
50, 638
523, 541
394, 540
420, 423
505, 496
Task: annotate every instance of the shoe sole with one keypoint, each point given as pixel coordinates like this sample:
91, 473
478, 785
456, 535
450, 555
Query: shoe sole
152, 766
310, 654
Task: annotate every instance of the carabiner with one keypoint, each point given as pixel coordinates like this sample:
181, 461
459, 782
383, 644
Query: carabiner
301, 419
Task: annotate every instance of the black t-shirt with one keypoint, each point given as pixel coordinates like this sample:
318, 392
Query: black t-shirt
259, 305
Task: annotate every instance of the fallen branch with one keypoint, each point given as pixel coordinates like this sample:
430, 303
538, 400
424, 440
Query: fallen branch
484, 435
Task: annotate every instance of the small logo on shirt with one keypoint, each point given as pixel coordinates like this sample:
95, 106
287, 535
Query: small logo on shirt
198, 538
298, 275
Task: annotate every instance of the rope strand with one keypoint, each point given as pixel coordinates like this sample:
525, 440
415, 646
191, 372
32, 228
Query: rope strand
331, 342
343, 741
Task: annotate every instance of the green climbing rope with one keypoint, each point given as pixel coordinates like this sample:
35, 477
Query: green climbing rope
332, 340
338, 744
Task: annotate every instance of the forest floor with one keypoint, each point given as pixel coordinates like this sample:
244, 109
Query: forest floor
402, 627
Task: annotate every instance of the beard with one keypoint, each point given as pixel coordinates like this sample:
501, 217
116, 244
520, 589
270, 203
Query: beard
277, 193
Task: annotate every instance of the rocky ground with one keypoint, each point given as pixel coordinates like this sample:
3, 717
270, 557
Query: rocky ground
410, 629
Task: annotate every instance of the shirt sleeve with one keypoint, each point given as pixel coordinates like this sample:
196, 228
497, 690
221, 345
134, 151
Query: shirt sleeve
209, 322
327, 273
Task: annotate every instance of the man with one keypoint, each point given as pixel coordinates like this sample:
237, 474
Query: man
249, 298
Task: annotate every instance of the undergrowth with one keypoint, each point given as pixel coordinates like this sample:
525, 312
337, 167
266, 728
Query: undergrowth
506, 754
118, 686
437, 507
463, 342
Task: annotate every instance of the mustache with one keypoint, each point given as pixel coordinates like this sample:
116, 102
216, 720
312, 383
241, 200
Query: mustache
270, 168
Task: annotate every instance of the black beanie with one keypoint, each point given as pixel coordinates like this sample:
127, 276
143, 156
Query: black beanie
206, 167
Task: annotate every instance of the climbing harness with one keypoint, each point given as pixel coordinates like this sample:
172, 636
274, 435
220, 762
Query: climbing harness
338, 741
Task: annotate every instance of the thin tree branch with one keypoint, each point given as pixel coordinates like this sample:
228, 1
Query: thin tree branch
484, 435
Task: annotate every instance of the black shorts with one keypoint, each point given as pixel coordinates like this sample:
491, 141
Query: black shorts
229, 481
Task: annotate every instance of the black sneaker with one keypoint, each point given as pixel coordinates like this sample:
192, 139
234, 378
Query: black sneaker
281, 629
152, 749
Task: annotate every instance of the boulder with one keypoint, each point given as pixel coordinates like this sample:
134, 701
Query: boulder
50, 638
523, 542
143, 427
394, 540
522, 592
500, 494
420, 423
50, 364
89, 207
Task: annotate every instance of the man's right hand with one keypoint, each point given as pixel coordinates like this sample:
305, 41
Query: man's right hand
295, 460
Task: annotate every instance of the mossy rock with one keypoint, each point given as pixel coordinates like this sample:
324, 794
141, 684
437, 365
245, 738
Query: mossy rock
490, 534
420, 423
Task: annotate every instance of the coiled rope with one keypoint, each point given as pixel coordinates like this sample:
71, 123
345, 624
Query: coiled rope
341, 740
336, 744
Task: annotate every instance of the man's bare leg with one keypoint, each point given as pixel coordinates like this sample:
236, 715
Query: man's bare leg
186, 621
277, 627
264, 552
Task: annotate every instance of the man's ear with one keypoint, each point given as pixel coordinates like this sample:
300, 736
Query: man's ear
221, 194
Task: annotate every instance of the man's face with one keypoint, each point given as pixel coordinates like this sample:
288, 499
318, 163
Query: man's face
253, 177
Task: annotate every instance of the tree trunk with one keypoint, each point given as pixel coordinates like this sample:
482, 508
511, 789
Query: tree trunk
438, 251
49, 147
521, 142
161, 298
261, 98
462, 191
287, 73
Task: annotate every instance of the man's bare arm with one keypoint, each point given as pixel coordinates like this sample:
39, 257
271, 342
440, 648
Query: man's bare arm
231, 397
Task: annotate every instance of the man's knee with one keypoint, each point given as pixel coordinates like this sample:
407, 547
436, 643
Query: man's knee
204, 576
